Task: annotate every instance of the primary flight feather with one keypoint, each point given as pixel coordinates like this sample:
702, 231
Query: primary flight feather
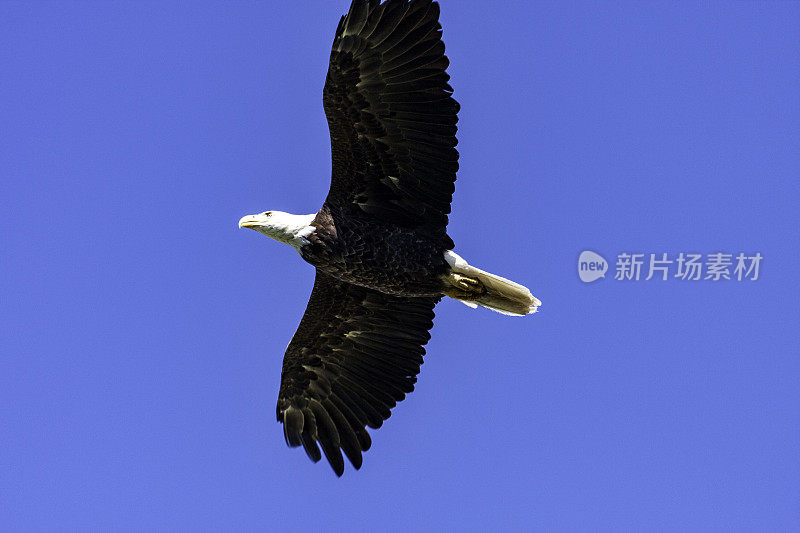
379, 244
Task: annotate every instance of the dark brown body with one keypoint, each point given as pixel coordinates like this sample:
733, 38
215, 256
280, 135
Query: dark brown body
387, 258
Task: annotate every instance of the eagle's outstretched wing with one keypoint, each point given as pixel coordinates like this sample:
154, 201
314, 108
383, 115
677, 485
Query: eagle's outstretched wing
356, 353
391, 116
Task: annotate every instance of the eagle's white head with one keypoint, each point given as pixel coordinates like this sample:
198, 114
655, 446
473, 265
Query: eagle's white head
283, 227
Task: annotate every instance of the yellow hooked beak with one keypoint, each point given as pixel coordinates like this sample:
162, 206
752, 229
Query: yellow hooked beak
252, 221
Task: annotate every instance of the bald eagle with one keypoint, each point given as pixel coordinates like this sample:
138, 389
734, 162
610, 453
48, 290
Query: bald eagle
379, 244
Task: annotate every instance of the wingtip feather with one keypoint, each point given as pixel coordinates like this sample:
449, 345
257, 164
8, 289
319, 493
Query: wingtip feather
293, 422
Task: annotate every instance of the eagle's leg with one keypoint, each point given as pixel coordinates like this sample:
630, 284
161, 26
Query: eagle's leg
463, 287
467, 284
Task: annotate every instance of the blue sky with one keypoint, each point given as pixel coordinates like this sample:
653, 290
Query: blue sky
143, 332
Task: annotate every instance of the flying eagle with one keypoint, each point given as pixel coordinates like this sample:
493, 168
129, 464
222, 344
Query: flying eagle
379, 244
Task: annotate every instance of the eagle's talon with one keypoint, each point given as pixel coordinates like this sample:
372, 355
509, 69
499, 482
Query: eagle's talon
466, 284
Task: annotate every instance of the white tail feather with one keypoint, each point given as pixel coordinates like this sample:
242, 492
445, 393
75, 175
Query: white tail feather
501, 295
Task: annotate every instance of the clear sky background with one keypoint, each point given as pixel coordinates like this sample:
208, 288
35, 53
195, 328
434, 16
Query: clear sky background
142, 332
